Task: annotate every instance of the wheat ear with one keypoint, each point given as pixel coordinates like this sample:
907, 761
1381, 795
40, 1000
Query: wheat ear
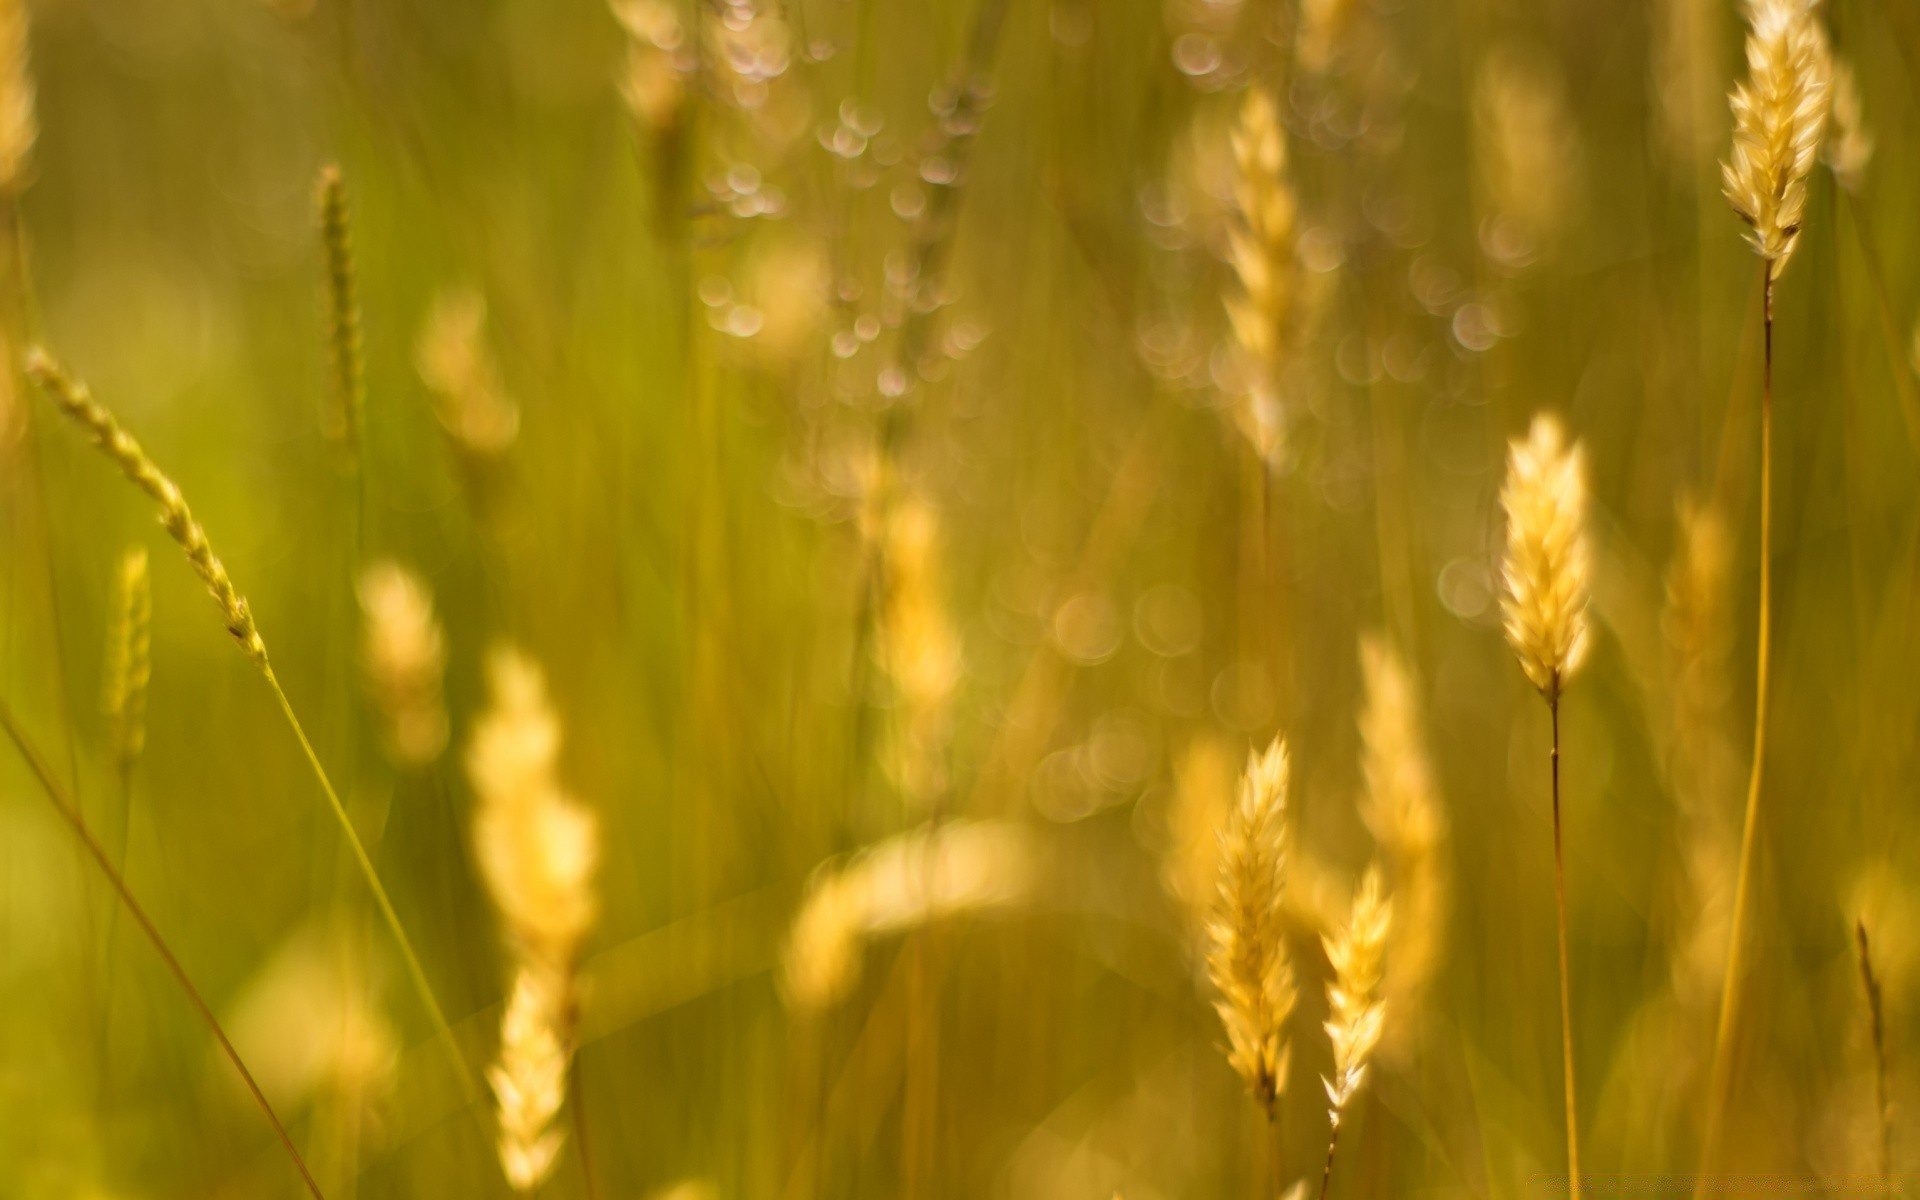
1780, 114
1354, 1003
1545, 605
129, 663
1247, 958
76, 402
348, 378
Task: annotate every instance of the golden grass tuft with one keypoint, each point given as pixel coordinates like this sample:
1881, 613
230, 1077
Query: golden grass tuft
1850, 148
1247, 959
529, 1080
1546, 568
1356, 1008
462, 377
1779, 115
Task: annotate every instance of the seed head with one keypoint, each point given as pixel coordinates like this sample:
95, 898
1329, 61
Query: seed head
1779, 116
1546, 570
1355, 1007
1247, 960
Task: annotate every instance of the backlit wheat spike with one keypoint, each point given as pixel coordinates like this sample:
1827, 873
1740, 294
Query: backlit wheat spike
1247, 959
1401, 808
529, 1081
18, 124
1354, 1004
1850, 148
129, 664
1528, 155
403, 654
538, 850
660, 57
1546, 571
916, 645
1779, 115
347, 416
76, 402
1260, 249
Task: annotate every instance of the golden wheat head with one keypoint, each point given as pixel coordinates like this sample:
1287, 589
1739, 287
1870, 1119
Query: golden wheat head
129, 660
1247, 958
1546, 568
1355, 1008
1779, 115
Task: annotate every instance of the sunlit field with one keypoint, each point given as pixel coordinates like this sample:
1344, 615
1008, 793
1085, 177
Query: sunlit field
1034, 599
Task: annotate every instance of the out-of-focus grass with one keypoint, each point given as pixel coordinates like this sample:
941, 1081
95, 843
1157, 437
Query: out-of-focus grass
680, 536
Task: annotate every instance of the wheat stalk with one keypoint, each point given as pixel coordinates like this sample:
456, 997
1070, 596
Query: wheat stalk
73, 399
1780, 113
1545, 606
1356, 1009
1247, 958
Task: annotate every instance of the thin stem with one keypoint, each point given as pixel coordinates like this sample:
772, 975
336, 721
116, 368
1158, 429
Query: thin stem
580, 1128
1876, 1015
1333, 1140
1566, 988
1718, 1079
92, 846
414, 970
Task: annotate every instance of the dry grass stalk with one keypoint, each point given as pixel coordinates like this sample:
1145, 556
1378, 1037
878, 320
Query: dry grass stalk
1260, 248
347, 416
403, 653
76, 822
1356, 1008
1401, 808
538, 850
1247, 960
19, 126
453, 358
1779, 114
1545, 605
902, 883
175, 517
129, 662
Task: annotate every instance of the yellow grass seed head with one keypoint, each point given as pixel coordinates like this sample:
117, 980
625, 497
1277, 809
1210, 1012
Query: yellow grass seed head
176, 518
1779, 116
537, 846
346, 418
1546, 569
1247, 959
1355, 1007
403, 654
1528, 153
129, 661
529, 1081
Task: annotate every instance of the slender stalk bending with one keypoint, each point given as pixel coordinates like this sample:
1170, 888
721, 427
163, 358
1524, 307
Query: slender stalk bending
1545, 606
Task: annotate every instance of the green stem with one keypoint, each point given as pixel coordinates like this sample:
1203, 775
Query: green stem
1566, 988
416, 974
